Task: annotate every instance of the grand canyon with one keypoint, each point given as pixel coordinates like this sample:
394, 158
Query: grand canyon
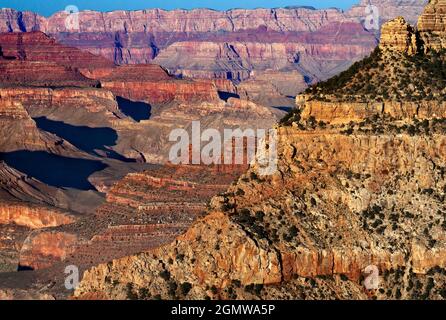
87, 178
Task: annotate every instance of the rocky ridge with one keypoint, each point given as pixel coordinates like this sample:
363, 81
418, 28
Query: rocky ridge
431, 26
349, 192
63, 143
407, 66
234, 44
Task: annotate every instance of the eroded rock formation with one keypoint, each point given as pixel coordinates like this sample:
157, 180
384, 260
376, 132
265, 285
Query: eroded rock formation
398, 35
152, 84
235, 44
390, 9
432, 25
33, 217
305, 223
142, 211
26, 205
19, 131
366, 189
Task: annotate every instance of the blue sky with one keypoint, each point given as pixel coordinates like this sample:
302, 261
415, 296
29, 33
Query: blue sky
48, 7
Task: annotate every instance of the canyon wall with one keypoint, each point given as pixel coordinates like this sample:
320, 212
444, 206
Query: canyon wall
237, 60
229, 44
338, 112
357, 185
158, 20
233, 44
19, 131
33, 217
317, 218
142, 211
152, 84
91, 100
431, 25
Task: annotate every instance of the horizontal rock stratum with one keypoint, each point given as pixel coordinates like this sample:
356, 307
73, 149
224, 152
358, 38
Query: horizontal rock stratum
226, 44
357, 185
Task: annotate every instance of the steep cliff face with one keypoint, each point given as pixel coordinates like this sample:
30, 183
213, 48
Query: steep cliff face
37, 46
390, 9
327, 214
231, 44
366, 189
19, 21
19, 131
33, 58
398, 35
33, 217
343, 112
432, 25
142, 211
198, 20
41, 99
222, 57
152, 84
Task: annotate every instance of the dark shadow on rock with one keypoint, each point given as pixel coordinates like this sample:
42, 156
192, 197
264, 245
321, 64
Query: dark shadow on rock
136, 110
88, 139
24, 268
54, 170
226, 95
284, 108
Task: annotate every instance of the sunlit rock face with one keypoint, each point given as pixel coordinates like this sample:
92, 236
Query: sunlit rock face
360, 182
398, 35
236, 45
432, 26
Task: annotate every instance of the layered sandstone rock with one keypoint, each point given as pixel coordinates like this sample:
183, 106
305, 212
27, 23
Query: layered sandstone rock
308, 220
398, 35
44, 74
339, 112
236, 56
232, 46
80, 106
35, 59
143, 211
11, 109
198, 20
389, 9
76, 108
364, 190
37, 46
150, 83
432, 26
34, 217
38, 100
19, 131
149, 139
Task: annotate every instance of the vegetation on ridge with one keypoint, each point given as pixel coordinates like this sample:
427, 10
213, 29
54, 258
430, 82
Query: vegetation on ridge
387, 75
